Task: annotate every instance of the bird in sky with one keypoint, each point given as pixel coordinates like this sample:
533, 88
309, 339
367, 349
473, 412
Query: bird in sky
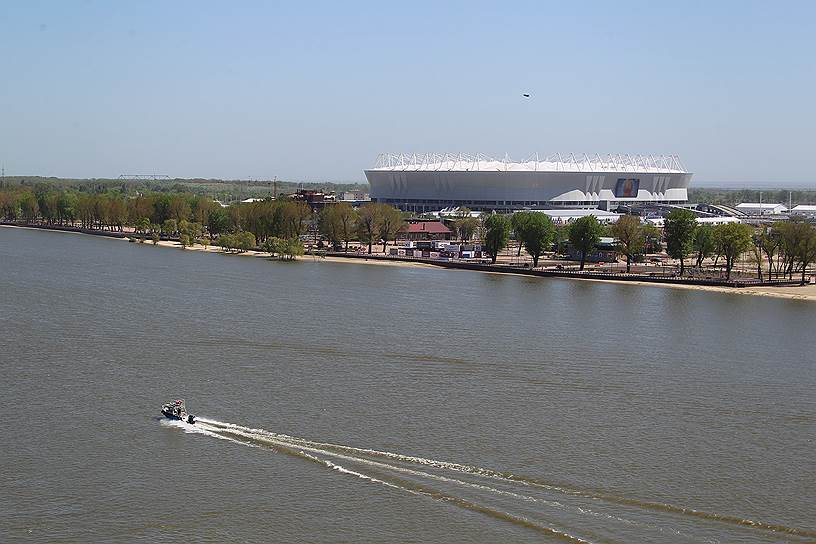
526, 95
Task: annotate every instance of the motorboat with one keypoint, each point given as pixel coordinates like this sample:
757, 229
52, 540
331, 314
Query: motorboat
177, 410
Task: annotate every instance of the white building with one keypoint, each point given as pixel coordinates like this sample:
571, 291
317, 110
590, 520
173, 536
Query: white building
433, 181
561, 217
755, 208
659, 222
804, 210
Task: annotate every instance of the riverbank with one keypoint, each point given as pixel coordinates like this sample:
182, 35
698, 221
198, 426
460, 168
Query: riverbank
790, 292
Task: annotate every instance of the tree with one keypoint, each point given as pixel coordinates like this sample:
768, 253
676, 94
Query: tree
244, 241
497, 233
274, 245
390, 223
734, 240
184, 240
226, 241
517, 222
630, 237
770, 243
329, 225
368, 223
346, 216
295, 215
536, 232
703, 243
466, 227
293, 248
218, 221
169, 227
679, 230
804, 244
584, 235
285, 249
653, 237
142, 226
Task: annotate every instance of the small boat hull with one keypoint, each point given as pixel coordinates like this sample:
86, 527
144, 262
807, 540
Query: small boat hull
169, 412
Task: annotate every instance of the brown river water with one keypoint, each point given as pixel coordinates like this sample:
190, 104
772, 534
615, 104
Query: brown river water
348, 403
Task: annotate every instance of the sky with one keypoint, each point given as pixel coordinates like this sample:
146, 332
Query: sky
314, 91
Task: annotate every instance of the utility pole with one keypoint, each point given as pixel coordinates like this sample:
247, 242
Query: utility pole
760, 204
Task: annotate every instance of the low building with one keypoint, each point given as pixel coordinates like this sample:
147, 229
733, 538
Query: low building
353, 196
562, 217
315, 199
660, 222
756, 208
804, 210
606, 251
424, 230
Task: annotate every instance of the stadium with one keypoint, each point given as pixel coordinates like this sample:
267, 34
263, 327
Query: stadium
432, 181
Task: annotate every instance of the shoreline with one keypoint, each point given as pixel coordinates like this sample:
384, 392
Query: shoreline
801, 293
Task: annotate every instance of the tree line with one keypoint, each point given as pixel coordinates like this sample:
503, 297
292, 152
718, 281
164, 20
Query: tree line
190, 217
787, 246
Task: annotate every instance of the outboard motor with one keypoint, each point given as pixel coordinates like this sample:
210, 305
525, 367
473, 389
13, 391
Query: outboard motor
190, 418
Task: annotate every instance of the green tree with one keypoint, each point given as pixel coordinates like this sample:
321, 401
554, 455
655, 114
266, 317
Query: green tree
244, 241
184, 240
584, 235
274, 246
347, 219
630, 237
535, 231
653, 237
226, 242
497, 234
734, 240
679, 230
169, 227
142, 226
28, 206
368, 223
293, 248
466, 227
703, 243
517, 221
329, 225
218, 221
803, 244
390, 223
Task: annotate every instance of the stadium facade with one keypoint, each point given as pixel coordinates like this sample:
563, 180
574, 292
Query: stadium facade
432, 181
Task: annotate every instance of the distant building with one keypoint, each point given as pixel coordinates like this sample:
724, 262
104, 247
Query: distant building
353, 196
433, 181
315, 199
804, 210
659, 222
424, 230
755, 208
606, 251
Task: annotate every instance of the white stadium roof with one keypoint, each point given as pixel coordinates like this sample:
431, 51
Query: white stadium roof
463, 162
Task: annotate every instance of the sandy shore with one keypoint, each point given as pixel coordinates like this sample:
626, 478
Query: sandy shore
806, 292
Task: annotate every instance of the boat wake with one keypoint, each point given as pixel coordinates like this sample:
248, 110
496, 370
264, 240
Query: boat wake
562, 512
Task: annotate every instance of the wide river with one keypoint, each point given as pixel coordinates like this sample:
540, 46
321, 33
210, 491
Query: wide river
344, 402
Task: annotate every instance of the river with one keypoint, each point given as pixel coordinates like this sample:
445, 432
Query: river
343, 402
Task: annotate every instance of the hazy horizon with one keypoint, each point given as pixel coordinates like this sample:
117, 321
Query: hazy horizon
315, 92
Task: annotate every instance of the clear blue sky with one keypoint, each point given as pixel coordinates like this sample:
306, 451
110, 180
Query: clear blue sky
314, 91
